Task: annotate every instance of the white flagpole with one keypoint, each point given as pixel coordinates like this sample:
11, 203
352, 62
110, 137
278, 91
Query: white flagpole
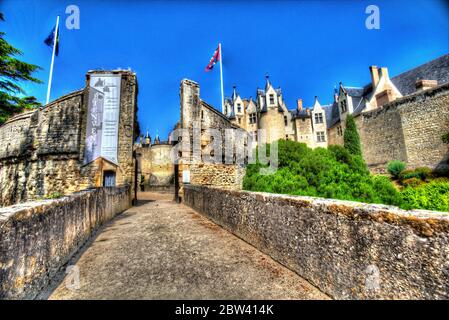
52, 60
221, 79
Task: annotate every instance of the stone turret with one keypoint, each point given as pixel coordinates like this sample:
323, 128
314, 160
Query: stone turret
271, 114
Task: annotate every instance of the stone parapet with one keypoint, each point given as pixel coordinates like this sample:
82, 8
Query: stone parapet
349, 250
38, 238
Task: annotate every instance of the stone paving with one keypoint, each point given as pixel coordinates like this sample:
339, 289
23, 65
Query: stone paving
162, 250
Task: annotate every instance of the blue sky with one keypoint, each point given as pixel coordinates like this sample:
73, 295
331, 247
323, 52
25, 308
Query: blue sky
307, 47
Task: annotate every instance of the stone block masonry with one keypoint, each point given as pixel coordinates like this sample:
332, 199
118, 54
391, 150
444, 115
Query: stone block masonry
195, 111
38, 238
408, 129
348, 250
42, 151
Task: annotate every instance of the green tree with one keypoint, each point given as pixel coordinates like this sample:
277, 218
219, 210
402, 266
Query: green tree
351, 137
12, 97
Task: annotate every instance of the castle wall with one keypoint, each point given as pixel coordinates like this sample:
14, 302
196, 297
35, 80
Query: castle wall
42, 151
333, 135
348, 250
408, 129
304, 131
156, 165
197, 113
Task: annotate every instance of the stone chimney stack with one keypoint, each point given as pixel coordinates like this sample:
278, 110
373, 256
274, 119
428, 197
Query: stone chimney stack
299, 104
425, 84
374, 75
383, 72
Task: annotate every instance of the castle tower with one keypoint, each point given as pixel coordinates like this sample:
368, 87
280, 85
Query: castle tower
271, 118
147, 139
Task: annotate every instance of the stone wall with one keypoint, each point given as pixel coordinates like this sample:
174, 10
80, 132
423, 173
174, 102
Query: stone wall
156, 165
226, 176
197, 117
42, 151
38, 238
408, 129
349, 250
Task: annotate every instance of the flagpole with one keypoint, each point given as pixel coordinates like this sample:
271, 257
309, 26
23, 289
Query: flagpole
52, 60
221, 79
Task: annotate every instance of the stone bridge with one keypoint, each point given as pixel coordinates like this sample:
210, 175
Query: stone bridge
219, 244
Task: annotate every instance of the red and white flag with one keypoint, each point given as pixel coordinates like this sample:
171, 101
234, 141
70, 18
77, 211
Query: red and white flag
215, 58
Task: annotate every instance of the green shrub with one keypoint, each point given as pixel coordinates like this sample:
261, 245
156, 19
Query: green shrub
351, 137
386, 192
422, 173
330, 173
430, 196
395, 168
412, 182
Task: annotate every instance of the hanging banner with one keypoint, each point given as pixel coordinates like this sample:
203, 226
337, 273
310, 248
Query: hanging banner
103, 118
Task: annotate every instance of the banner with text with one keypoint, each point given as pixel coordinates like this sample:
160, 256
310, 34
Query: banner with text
103, 118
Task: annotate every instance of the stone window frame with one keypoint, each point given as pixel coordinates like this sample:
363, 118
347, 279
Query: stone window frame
344, 106
239, 108
319, 118
320, 136
271, 99
252, 118
339, 130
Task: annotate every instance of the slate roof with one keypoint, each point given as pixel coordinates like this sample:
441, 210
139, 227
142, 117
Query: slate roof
437, 69
299, 114
332, 114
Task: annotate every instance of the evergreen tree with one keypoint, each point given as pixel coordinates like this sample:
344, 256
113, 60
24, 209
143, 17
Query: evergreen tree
351, 137
12, 70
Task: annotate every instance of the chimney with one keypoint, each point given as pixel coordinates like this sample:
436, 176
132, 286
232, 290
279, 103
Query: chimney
425, 84
299, 104
374, 75
384, 97
384, 72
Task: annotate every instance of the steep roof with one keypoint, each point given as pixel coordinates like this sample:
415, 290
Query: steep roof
332, 114
437, 69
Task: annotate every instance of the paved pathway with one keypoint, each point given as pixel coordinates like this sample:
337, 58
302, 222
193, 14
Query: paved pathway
163, 250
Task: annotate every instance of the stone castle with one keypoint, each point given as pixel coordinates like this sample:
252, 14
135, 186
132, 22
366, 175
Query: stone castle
270, 113
155, 168
400, 118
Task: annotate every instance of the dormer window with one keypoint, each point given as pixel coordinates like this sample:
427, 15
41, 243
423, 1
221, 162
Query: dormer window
239, 107
318, 118
271, 98
344, 106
